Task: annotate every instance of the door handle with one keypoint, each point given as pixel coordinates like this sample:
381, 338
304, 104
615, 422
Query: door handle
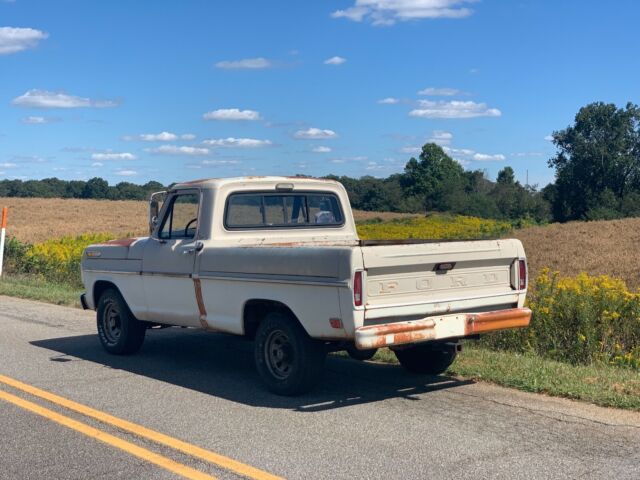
190, 251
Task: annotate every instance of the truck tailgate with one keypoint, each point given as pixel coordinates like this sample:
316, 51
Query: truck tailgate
406, 280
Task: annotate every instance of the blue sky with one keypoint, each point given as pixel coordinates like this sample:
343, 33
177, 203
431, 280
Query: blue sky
168, 90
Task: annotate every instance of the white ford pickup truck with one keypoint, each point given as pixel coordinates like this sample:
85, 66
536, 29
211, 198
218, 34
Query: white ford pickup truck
278, 259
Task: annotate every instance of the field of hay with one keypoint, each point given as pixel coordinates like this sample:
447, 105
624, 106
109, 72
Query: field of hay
35, 220
597, 248
592, 247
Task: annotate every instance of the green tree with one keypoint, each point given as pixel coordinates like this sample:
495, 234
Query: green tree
598, 154
96, 188
434, 178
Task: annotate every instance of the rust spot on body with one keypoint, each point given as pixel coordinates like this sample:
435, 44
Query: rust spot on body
201, 307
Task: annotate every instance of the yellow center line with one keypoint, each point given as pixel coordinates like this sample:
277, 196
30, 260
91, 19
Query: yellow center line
184, 447
143, 453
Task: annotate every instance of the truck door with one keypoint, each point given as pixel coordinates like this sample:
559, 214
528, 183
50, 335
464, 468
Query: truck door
168, 262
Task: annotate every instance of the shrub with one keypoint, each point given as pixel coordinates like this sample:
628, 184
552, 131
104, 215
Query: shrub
436, 227
14, 254
59, 259
579, 320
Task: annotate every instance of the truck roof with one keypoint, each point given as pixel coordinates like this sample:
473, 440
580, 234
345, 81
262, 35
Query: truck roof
215, 183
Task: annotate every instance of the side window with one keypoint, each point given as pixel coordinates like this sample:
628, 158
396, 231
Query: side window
181, 219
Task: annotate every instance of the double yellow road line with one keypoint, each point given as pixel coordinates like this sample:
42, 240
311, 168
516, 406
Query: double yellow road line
131, 448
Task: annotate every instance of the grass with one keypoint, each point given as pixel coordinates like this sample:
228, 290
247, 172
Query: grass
601, 384
36, 288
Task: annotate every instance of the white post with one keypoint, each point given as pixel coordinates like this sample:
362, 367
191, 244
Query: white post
3, 228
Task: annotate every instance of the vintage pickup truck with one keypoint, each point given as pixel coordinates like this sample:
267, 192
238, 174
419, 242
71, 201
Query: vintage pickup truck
278, 260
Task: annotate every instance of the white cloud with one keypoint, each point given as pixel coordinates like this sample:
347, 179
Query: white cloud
484, 157
335, 61
440, 92
411, 150
178, 150
231, 114
549, 138
159, 137
29, 158
44, 99
8, 165
466, 155
97, 164
113, 156
389, 101
527, 154
359, 158
220, 162
126, 173
245, 64
388, 12
13, 40
232, 142
453, 109
441, 137
315, 133
36, 120
321, 149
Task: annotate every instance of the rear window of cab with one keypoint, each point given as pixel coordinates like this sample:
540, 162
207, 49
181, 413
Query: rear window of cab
282, 210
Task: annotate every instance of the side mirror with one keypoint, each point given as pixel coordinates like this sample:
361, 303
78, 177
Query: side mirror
154, 210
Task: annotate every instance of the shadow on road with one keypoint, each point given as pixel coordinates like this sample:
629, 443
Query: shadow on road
223, 366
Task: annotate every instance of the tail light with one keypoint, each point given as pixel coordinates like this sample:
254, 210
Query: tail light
357, 289
522, 274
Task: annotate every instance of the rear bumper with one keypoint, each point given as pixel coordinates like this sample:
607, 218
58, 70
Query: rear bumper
440, 327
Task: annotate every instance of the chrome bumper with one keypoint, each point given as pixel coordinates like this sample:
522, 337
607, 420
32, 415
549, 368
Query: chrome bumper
440, 327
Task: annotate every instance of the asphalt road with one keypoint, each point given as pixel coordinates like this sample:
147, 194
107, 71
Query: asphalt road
366, 420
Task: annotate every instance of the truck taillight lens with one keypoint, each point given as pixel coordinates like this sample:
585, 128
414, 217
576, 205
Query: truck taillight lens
522, 274
357, 289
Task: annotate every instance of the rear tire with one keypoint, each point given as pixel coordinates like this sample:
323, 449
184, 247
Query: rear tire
432, 359
288, 360
119, 331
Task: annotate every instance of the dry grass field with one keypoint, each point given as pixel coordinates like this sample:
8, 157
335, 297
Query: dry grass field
605, 247
38, 219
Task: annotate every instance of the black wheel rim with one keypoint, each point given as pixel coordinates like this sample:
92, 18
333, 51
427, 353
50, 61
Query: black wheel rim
278, 354
111, 323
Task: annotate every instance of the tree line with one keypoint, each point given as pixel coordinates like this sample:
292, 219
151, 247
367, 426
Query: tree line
597, 176
95, 188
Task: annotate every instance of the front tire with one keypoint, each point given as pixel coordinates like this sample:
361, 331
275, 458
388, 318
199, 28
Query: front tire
120, 333
288, 360
432, 359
